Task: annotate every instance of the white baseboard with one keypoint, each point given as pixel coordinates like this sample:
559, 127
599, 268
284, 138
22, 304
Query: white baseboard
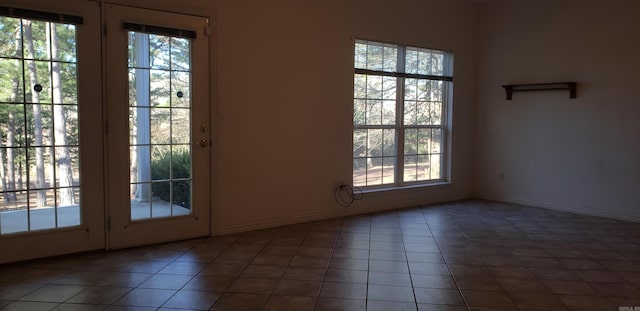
283, 221
328, 214
514, 199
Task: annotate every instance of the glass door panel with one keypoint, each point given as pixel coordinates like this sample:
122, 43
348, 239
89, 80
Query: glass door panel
39, 111
159, 123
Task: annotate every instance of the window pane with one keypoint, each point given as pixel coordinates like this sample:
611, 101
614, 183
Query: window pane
180, 90
411, 61
181, 197
181, 163
436, 141
68, 210
359, 143
66, 122
390, 58
43, 172
35, 39
160, 125
389, 112
389, 148
65, 36
160, 91
410, 141
410, 166
11, 76
180, 128
67, 166
389, 85
161, 160
140, 164
159, 52
410, 89
437, 63
359, 112
374, 87
428, 62
424, 62
410, 112
180, 54
12, 117
138, 45
19, 167
422, 168
39, 124
360, 86
424, 139
435, 91
389, 170
137, 134
435, 164
423, 115
360, 172
68, 77
41, 89
42, 210
133, 100
161, 198
435, 113
361, 56
374, 57
8, 28
374, 143
422, 89
374, 173
15, 217
140, 201
374, 112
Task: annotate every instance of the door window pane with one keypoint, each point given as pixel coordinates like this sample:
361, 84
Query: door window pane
160, 125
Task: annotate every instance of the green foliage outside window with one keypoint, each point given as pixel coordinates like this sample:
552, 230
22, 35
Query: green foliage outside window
178, 166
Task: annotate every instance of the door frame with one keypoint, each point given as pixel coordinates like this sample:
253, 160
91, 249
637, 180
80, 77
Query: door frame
91, 234
121, 231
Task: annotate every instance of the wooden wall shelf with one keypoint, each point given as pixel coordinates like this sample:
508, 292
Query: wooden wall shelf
571, 86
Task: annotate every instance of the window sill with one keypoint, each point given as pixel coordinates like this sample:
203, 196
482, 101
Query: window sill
405, 187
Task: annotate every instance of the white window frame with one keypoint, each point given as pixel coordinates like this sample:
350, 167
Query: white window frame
399, 126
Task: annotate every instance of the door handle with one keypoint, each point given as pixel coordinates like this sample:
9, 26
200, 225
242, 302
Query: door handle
203, 143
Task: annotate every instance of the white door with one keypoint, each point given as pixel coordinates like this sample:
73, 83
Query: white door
158, 126
51, 133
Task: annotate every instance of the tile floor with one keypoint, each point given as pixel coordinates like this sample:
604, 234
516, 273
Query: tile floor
469, 255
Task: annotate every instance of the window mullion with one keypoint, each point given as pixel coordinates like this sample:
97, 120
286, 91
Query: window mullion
399, 178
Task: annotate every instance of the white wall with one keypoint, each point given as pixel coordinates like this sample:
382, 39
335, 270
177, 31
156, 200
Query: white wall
284, 103
570, 154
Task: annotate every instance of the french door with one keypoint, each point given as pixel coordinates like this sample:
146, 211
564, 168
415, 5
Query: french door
158, 140
99, 157
51, 138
